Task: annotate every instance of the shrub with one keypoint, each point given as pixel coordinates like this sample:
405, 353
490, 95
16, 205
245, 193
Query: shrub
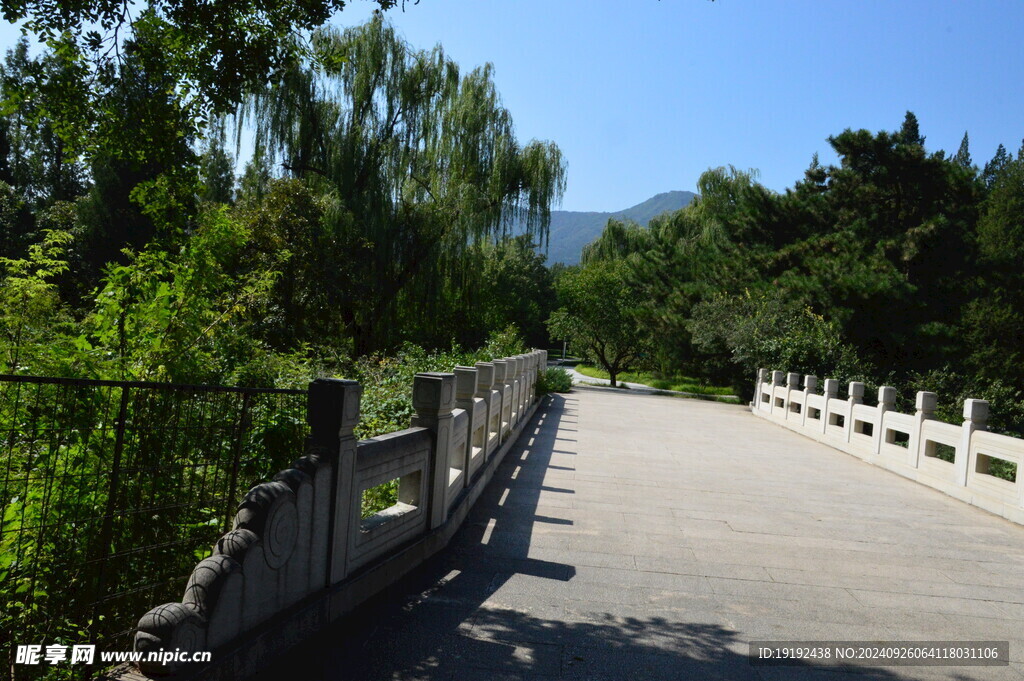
554, 380
767, 330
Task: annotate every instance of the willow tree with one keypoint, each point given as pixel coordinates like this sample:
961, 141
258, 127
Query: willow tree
677, 259
420, 162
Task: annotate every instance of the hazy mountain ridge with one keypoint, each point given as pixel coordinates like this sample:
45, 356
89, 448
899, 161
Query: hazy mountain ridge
572, 230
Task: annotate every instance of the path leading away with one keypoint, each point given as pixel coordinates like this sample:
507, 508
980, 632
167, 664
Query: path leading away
583, 379
648, 537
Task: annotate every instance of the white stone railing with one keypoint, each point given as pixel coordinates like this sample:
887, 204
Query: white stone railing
904, 443
300, 554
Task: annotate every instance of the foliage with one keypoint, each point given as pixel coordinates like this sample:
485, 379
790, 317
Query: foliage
33, 154
129, 251
420, 162
217, 173
554, 380
870, 267
660, 381
597, 316
513, 287
400, 241
387, 379
34, 326
178, 318
387, 393
994, 319
215, 53
763, 330
953, 386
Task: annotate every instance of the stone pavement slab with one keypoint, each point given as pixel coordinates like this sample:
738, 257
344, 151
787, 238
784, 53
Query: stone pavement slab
646, 537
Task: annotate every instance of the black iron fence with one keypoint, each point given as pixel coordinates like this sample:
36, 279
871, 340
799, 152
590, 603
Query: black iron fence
111, 491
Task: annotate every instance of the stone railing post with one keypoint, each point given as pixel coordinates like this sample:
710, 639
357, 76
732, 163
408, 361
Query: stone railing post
433, 398
792, 385
333, 414
542, 363
762, 378
538, 368
502, 368
810, 385
925, 409
530, 374
886, 402
529, 358
541, 368
533, 375
778, 378
527, 380
492, 404
517, 390
830, 392
465, 398
975, 418
512, 383
508, 400
855, 396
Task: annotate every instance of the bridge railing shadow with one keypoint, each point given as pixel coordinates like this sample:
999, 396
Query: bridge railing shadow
443, 621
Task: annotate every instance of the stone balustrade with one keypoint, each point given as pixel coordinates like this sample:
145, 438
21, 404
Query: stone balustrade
951, 458
300, 554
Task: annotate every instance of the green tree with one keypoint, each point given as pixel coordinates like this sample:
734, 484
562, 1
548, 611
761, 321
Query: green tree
883, 246
880, 247
182, 317
716, 243
214, 52
994, 320
910, 132
287, 233
963, 154
145, 173
34, 325
217, 173
597, 317
33, 156
515, 288
420, 161
994, 168
769, 330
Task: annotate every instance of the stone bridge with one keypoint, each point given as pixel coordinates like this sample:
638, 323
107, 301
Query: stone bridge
632, 536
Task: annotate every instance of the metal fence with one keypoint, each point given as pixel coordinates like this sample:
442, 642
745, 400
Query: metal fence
111, 491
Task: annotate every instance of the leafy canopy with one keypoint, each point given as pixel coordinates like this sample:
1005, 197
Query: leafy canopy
597, 316
419, 161
216, 50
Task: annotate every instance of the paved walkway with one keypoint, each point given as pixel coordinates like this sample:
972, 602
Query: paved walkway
584, 380
647, 537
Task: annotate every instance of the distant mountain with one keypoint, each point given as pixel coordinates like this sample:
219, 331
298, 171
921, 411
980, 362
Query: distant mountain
572, 230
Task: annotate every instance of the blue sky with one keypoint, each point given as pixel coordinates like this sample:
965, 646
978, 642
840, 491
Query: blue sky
642, 96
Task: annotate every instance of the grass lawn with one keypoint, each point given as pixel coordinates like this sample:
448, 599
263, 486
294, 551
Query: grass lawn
679, 383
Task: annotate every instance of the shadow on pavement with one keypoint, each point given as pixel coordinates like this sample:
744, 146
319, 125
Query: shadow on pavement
447, 619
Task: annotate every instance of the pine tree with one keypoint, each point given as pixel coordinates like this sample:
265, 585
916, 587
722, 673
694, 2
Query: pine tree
963, 154
995, 167
910, 133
